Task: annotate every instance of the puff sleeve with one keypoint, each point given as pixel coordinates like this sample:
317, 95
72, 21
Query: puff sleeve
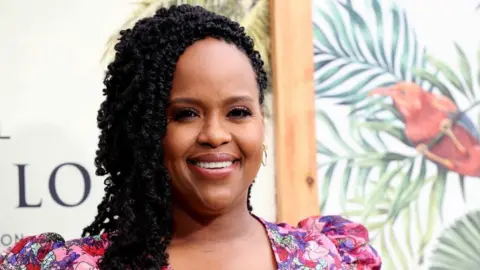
30, 252
50, 251
348, 239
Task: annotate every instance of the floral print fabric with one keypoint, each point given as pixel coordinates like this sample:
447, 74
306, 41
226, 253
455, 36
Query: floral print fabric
317, 243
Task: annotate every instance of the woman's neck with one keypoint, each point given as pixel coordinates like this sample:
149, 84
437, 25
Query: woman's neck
200, 230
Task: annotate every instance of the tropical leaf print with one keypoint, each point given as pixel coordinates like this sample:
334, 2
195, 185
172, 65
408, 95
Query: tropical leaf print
380, 176
460, 85
464, 84
458, 246
381, 189
347, 48
365, 56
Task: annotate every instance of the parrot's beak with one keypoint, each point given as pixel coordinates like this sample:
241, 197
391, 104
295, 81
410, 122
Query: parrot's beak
391, 92
383, 91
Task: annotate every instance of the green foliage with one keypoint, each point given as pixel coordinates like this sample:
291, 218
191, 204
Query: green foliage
458, 246
449, 82
348, 49
362, 55
363, 161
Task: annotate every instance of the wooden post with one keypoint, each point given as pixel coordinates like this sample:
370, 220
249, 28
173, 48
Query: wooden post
294, 109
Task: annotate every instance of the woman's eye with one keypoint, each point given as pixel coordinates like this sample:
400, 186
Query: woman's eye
239, 112
185, 114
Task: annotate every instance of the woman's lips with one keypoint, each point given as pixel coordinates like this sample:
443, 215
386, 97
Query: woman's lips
215, 166
213, 157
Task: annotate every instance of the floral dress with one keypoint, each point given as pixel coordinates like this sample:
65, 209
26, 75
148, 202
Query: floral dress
317, 243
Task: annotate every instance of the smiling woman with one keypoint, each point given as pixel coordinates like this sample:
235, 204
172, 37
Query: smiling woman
181, 144
213, 103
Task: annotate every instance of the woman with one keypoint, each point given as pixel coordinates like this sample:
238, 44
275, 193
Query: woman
181, 143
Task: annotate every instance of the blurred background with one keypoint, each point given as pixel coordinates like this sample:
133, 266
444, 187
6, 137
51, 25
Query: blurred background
421, 213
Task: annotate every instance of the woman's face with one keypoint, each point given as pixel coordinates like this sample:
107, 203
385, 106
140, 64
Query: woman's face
215, 130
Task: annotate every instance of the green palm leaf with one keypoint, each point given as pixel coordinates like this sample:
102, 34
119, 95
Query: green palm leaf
451, 81
379, 18
448, 72
398, 204
378, 192
332, 129
465, 68
353, 159
409, 190
437, 83
458, 246
360, 54
386, 127
391, 202
359, 23
326, 181
435, 208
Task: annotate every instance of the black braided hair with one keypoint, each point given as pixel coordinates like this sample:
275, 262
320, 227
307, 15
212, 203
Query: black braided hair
136, 211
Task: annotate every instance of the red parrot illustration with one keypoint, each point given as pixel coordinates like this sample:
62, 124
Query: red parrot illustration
436, 127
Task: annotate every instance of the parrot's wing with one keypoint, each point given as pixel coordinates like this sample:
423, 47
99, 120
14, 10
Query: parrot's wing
442, 103
467, 124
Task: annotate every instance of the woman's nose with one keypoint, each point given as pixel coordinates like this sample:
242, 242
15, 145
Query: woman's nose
214, 132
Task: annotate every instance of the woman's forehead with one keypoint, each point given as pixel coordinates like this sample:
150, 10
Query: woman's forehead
211, 54
214, 67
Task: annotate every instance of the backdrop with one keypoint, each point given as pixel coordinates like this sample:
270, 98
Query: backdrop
422, 209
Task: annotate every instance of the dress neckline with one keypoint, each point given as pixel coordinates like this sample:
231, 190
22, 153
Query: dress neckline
270, 240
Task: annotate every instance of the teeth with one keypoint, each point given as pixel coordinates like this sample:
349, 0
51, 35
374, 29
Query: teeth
214, 165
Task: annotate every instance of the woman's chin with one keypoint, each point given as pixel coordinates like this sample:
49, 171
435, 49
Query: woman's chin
218, 203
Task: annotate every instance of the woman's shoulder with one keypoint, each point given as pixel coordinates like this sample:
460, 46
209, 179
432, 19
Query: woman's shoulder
324, 240
51, 251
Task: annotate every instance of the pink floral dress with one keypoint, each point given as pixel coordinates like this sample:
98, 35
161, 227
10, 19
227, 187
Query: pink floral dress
328, 242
